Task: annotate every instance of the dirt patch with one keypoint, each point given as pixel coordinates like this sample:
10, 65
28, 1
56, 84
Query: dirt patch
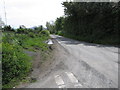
40, 64
47, 66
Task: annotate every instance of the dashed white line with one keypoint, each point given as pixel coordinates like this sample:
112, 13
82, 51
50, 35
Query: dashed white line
73, 79
61, 86
77, 85
59, 81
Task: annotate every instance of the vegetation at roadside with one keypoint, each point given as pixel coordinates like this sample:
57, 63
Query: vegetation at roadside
0, 42
94, 22
16, 64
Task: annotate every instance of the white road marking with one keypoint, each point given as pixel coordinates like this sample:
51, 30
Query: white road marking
73, 79
59, 81
77, 85
61, 86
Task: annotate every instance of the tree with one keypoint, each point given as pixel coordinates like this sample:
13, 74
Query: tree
51, 27
92, 21
59, 24
37, 29
21, 29
8, 28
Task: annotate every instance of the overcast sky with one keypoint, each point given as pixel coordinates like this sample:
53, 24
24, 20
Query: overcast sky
31, 12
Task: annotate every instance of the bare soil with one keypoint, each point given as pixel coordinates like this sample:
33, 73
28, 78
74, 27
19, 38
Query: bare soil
40, 64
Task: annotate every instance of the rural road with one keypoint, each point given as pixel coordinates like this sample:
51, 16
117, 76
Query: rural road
80, 65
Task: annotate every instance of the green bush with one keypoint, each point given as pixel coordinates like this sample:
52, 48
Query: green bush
0, 47
45, 32
60, 33
8, 28
15, 63
30, 34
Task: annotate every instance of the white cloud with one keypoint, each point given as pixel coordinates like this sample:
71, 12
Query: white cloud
32, 12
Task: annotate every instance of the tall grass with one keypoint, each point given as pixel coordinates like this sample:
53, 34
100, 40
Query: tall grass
16, 64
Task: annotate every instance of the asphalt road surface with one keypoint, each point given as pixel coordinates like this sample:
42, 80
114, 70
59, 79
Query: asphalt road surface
80, 65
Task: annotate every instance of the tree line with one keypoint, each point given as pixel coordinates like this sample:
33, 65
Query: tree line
95, 22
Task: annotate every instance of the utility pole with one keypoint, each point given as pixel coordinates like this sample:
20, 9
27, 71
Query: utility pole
5, 13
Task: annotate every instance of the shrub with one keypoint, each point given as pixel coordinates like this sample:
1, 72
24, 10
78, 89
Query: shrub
20, 30
8, 28
15, 63
45, 32
31, 34
0, 47
60, 33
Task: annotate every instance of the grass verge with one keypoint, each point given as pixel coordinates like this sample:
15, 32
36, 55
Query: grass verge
16, 64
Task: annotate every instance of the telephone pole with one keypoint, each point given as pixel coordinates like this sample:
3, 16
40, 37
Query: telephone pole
5, 13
